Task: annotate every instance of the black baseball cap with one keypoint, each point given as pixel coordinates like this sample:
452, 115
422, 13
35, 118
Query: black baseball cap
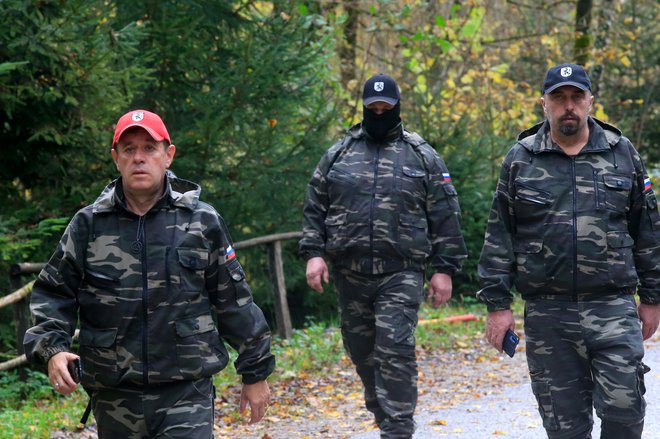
566, 74
380, 88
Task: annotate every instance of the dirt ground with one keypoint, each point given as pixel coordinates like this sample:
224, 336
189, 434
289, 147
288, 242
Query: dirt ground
331, 406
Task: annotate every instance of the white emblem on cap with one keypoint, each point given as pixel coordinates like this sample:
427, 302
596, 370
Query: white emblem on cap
566, 72
137, 116
379, 86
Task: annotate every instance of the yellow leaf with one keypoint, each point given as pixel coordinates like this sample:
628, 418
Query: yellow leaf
625, 61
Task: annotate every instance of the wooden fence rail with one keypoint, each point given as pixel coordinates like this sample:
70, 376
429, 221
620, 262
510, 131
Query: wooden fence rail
19, 298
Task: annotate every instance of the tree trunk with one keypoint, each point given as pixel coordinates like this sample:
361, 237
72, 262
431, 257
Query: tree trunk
347, 48
582, 45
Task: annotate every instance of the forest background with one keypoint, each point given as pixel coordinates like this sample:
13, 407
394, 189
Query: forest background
254, 92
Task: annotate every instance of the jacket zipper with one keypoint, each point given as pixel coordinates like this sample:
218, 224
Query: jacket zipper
145, 308
371, 209
575, 240
596, 190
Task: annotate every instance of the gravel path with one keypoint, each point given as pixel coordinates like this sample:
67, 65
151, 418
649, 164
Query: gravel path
511, 412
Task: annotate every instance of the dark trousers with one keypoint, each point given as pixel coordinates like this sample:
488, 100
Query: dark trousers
584, 355
378, 321
182, 410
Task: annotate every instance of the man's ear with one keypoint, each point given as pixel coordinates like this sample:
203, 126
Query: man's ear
171, 151
113, 151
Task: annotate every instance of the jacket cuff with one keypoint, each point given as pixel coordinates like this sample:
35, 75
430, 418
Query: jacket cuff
309, 254
251, 378
46, 354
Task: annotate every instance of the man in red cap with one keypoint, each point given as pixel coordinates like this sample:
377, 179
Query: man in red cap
147, 270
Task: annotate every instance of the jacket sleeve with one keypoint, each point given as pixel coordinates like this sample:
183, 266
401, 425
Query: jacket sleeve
315, 210
443, 215
496, 266
53, 302
240, 321
644, 226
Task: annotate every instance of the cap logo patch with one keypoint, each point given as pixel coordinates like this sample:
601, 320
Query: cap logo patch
137, 116
566, 72
379, 86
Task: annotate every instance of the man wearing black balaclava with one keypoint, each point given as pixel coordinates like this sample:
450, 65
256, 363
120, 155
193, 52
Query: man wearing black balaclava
381, 207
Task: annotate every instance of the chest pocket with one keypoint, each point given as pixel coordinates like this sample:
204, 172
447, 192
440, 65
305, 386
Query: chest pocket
652, 209
617, 192
531, 203
193, 262
410, 181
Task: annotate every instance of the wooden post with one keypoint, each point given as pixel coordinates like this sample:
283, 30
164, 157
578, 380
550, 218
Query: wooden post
276, 269
21, 314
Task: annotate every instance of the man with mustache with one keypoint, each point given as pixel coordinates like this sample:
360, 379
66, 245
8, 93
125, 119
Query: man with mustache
574, 226
381, 208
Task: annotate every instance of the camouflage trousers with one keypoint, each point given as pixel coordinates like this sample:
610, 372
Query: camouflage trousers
179, 410
378, 321
582, 355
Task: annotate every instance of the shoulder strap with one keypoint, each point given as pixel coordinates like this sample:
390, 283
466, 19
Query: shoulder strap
338, 150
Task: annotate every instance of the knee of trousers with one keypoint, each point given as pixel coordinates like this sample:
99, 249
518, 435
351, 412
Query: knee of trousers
395, 354
623, 405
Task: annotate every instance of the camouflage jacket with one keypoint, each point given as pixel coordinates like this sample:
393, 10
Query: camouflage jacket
567, 225
146, 292
380, 208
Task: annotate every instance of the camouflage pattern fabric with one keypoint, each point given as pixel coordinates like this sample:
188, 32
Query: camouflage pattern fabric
379, 208
378, 321
569, 225
179, 410
586, 354
146, 292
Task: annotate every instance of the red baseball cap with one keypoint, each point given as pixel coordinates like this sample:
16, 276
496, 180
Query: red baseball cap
151, 122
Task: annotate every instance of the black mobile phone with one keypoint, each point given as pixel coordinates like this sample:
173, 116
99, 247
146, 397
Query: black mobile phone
75, 369
510, 342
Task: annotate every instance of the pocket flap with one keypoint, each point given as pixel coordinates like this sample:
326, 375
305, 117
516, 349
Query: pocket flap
413, 172
527, 246
412, 220
619, 240
103, 338
532, 194
193, 258
618, 182
236, 271
194, 325
450, 189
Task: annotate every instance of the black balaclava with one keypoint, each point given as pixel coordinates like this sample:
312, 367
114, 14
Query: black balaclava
379, 125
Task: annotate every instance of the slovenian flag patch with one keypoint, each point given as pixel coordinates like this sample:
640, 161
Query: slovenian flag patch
231, 254
647, 184
446, 177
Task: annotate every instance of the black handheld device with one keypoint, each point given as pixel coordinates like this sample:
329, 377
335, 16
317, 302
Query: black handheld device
510, 342
75, 369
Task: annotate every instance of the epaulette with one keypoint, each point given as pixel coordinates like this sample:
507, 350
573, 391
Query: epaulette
413, 138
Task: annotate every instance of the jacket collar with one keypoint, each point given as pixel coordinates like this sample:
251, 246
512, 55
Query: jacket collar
395, 133
602, 137
178, 192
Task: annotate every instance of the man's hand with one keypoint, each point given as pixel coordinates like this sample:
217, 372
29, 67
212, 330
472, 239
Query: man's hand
258, 396
317, 271
650, 317
497, 323
59, 375
440, 287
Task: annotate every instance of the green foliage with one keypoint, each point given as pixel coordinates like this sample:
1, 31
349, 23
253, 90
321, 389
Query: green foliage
64, 73
32, 409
